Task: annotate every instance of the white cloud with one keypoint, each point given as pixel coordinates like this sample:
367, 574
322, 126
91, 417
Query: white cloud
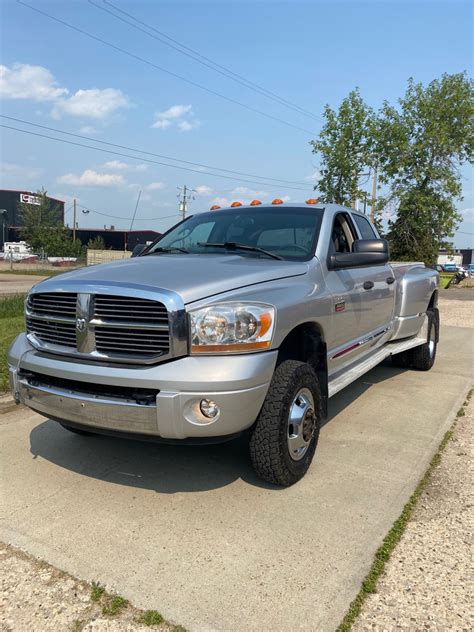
161, 124
187, 126
467, 213
246, 195
22, 172
203, 189
182, 116
90, 178
220, 201
118, 165
174, 112
94, 103
88, 129
23, 81
155, 186
245, 191
313, 177
36, 83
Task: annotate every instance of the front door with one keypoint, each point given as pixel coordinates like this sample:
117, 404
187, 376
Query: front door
362, 301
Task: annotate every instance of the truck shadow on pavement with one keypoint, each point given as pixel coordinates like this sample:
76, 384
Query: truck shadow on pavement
170, 469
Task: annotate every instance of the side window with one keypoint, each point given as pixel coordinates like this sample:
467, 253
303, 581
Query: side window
343, 235
365, 227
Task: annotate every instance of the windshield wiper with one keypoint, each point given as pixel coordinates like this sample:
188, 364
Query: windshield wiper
158, 251
232, 245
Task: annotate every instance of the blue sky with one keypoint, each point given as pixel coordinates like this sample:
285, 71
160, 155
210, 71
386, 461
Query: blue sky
308, 53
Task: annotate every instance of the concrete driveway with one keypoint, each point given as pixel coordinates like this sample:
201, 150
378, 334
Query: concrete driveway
191, 531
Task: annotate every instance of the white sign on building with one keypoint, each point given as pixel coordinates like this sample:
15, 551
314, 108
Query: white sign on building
26, 198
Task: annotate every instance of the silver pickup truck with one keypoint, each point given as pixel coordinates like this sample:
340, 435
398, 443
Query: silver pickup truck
244, 319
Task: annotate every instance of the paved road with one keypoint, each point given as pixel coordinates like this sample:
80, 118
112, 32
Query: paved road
18, 283
192, 533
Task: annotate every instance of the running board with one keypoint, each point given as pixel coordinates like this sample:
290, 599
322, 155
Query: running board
353, 372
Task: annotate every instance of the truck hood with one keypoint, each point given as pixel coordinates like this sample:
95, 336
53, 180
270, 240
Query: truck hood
194, 277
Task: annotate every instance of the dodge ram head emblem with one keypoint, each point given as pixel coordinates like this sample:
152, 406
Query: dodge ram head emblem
81, 324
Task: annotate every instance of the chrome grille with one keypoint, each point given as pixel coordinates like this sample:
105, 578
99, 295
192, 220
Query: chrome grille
52, 317
57, 304
106, 326
52, 332
130, 309
130, 326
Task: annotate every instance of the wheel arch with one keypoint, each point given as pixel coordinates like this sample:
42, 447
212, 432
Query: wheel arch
434, 300
305, 342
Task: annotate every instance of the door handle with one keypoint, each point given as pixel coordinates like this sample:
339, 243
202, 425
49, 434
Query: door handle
368, 285
389, 280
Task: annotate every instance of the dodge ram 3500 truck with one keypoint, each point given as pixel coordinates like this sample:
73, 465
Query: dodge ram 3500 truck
241, 319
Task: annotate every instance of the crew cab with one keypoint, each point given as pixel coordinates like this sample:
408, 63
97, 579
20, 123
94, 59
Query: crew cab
238, 320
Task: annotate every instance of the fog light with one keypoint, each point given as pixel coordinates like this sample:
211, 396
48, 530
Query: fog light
209, 408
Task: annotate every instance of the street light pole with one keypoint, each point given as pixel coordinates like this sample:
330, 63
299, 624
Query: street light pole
4, 212
74, 223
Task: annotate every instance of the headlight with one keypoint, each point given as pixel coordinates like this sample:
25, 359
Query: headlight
232, 328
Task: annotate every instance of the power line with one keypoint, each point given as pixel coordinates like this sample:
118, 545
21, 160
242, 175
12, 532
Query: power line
169, 72
148, 153
201, 59
146, 219
163, 164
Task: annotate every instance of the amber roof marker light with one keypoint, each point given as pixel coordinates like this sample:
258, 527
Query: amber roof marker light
255, 202
214, 207
235, 204
277, 201
312, 201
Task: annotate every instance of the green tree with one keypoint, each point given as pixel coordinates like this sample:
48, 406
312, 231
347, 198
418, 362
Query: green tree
420, 147
97, 243
346, 148
43, 230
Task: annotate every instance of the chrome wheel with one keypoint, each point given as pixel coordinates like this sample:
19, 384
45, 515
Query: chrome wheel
432, 341
301, 424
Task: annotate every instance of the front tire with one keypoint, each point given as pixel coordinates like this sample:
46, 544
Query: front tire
285, 436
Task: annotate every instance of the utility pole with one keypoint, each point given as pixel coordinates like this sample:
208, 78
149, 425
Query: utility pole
183, 199
374, 195
74, 223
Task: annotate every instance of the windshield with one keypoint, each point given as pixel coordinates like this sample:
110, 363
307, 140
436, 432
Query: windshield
288, 233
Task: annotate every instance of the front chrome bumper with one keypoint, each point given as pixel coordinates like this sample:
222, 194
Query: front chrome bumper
238, 384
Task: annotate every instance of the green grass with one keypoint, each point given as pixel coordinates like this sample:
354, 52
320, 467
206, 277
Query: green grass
97, 591
114, 605
385, 550
444, 279
11, 324
151, 617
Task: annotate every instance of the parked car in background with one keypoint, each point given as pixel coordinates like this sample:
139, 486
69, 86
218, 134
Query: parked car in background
449, 267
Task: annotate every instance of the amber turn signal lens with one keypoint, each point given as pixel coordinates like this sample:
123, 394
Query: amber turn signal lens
235, 204
215, 207
277, 201
312, 201
255, 202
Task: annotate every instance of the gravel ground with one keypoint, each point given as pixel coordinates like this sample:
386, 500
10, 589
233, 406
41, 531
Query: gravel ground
35, 597
457, 313
428, 582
